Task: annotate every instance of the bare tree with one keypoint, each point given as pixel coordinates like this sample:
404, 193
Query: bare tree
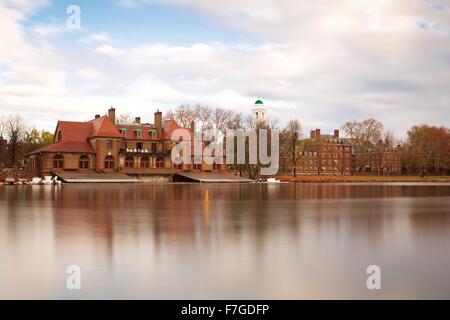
15, 129
124, 118
364, 136
292, 147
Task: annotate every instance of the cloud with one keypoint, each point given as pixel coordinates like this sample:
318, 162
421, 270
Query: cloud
48, 30
109, 51
100, 37
320, 61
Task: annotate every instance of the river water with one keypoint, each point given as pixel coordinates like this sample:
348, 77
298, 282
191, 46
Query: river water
225, 241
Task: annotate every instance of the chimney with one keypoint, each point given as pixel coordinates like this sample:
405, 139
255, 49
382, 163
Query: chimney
112, 115
137, 120
317, 133
158, 121
97, 116
193, 125
312, 134
336, 133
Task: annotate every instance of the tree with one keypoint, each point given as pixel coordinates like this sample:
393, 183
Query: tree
15, 129
34, 139
364, 136
292, 146
427, 149
124, 118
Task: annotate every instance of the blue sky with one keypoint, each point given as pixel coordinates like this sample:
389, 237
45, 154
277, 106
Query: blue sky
322, 62
150, 23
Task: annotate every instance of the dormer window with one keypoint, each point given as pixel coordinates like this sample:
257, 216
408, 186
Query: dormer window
138, 132
152, 133
123, 131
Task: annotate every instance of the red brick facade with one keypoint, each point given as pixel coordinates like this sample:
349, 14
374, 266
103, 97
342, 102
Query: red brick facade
104, 145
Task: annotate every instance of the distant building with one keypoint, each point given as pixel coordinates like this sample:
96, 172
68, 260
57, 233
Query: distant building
327, 154
259, 111
105, 145
380, 159
330, 154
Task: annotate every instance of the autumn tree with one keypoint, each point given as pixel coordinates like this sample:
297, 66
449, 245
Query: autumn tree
426, 149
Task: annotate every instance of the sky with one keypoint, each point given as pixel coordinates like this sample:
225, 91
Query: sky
321, 62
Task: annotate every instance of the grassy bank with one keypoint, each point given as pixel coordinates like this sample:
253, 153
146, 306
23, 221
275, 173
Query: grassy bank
306, 179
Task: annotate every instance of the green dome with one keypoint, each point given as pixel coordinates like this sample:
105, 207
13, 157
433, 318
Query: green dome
259, 102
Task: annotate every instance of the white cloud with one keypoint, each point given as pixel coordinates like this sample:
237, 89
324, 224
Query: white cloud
101, 37
109, 51
48, 30
320, 61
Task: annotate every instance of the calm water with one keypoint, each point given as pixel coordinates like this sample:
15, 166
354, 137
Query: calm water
225, 241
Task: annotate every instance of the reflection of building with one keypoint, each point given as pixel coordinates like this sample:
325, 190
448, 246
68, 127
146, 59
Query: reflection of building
105, 145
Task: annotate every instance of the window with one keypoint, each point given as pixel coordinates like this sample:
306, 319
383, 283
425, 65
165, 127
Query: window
109, 144
160, 163
154, 147
109, 162
138, 132
59, 135
152, 133
58, 161
180, 163
139, 145
84, 162
123, 131
145, 162
129, 162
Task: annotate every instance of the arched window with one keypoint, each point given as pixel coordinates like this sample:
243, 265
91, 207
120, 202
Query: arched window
179, 165
129, 162
109, 162
160, 163
58, 161
145, 162
59, 135
84, 162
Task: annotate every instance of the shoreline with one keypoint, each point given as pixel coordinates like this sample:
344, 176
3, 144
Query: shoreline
362, 179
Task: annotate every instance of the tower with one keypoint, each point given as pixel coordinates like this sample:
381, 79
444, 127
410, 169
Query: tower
259, 112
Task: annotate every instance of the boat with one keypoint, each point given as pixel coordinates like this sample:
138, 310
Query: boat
47, 180
273, 180
35, 180
56, 181
10, 180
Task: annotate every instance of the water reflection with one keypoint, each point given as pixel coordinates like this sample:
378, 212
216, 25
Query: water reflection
225, 241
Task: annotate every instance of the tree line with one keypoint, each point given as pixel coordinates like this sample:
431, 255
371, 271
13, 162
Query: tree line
17, 139
424, 150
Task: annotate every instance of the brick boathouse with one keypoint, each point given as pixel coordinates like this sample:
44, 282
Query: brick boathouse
103, 145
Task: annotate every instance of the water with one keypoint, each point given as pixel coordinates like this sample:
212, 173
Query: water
225, 241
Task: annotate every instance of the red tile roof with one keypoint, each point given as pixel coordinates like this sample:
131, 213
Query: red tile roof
170, 126
73, 131
103, 127
67, 146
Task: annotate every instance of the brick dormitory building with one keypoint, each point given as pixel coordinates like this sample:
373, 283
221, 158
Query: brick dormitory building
329, 154
104, 145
